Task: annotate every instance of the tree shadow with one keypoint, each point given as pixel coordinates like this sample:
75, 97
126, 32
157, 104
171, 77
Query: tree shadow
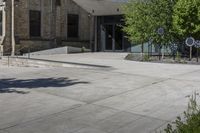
11, 85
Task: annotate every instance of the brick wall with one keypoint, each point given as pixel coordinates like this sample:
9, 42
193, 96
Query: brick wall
53, 24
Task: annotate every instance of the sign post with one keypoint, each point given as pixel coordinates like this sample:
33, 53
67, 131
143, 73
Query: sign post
197, 45
161, 32
190, 41
174, 48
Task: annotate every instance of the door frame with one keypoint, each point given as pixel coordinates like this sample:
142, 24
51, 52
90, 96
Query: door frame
113, 38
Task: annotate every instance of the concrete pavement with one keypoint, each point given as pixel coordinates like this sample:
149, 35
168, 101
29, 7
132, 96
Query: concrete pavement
131, 97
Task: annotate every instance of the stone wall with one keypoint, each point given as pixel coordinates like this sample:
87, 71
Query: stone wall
53, 22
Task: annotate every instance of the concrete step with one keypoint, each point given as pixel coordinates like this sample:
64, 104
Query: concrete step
32, 62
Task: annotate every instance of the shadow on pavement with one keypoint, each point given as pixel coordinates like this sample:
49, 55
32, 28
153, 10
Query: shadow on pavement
9, 85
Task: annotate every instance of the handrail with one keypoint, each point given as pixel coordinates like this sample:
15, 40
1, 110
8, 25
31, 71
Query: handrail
16, 52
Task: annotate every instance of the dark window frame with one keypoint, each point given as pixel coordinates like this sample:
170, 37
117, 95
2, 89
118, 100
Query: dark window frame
73, 26
58, 2
1, 22
35, 24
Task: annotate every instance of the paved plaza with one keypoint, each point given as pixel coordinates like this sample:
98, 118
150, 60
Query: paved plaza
122, 97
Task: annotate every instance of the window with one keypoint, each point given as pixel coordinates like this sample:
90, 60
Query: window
58, 3
35, 23
73, 25
1, 23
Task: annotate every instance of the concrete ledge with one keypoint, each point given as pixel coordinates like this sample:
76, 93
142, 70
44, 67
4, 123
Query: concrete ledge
61, 50
32, 62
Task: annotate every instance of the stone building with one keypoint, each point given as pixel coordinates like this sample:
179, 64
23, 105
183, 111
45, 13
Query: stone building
43, 24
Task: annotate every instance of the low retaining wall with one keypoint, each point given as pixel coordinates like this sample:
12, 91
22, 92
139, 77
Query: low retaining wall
61, 50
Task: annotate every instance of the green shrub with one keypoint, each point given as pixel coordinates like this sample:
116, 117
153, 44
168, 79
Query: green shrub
178, 57
83, 49
129, 57
191, 121
146, 57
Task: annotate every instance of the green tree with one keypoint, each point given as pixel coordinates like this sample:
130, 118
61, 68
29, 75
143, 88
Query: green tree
143, 18
136, 24
186, 18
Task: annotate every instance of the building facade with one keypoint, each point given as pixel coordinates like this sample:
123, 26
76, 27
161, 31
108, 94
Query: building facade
43, 24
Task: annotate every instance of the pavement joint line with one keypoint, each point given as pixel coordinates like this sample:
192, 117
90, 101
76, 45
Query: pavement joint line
165, 124
136, 89
155, 130
57, 113
141, 117
162, 77
106, 71
65, 97
149, 117
143, 75
161, 81
42, 117
86, 127
187, 73
127, 123
120, 111
49, 93
139, 75
185, 80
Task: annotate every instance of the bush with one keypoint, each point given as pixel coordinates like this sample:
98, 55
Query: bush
191, 122
83, 49
178, 57
146, 57
129, 57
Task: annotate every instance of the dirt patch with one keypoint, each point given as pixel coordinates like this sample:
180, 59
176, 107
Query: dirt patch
165, 59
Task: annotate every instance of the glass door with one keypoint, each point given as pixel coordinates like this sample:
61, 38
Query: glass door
113, 37
118, 38
109, 37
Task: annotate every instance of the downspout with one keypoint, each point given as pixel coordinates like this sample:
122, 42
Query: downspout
12, 27
91, 32
3, 28
95, 34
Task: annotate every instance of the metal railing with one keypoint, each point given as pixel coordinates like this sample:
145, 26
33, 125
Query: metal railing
16, 54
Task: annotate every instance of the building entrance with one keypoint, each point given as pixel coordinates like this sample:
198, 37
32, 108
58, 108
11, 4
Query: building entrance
113, 37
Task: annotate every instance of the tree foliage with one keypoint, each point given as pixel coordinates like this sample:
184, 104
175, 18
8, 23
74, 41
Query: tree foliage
137, 26
143, 18
186, 18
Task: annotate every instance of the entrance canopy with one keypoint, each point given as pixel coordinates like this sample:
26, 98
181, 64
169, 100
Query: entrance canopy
101, 7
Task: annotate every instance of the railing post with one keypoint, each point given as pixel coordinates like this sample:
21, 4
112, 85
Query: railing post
8, 60
29, 55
